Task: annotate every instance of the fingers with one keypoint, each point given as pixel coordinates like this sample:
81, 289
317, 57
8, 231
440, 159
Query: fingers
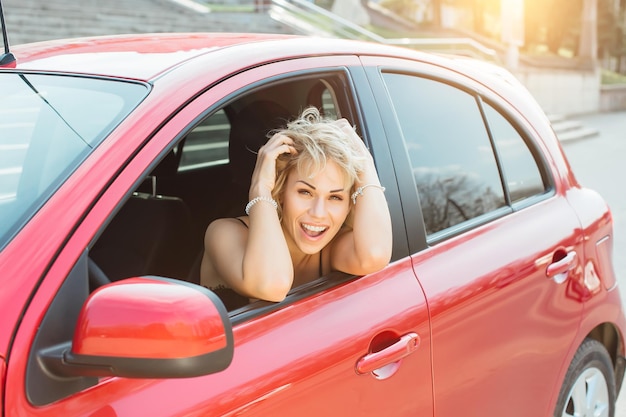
277, 145
345, 125
264, 174
350, 131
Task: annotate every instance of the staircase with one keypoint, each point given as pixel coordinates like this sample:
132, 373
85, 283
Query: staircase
37, 20
568, 130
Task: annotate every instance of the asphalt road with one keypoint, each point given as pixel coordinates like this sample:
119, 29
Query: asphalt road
600, 163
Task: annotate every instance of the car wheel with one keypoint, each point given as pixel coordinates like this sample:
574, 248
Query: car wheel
589, 386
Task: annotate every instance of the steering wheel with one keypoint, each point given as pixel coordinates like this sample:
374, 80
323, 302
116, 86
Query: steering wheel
97, 277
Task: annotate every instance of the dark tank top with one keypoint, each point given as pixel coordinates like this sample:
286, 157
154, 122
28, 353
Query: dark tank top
232, 299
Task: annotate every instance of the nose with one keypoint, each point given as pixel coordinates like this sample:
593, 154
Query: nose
317, 208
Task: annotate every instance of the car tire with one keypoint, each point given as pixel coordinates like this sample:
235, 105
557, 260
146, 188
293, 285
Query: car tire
589, 386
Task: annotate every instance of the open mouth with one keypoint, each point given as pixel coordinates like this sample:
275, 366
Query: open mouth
313, 231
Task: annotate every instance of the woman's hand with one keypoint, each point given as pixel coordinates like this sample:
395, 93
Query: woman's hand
264, 175
254, 260
365, 248
369, 175
355, 140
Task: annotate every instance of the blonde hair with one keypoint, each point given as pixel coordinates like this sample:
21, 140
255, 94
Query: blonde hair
317, 140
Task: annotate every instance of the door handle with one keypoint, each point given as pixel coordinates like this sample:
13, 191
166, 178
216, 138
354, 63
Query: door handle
404, 346
558, 270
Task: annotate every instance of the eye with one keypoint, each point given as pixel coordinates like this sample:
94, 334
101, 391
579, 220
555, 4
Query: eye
304, 191
336, 197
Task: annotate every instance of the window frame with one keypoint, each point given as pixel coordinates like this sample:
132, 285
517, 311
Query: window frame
342, 79
528, 138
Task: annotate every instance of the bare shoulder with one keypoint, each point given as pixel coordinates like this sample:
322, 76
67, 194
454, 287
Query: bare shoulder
224, 245
226, 228
228, 223
344, 234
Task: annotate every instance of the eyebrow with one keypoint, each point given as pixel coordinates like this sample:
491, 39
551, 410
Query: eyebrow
339, 190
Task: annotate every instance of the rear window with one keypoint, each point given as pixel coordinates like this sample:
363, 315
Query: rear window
49, 124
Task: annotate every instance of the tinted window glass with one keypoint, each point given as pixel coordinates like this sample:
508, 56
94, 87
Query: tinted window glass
452, 158
48, 126
207, 144
328, 104
523, 177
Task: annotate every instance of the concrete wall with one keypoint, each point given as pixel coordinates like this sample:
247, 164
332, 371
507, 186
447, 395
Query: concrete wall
612, 98
571, 91
561, 90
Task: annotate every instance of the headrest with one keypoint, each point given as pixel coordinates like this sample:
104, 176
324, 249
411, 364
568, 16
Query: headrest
249, 130
168, 167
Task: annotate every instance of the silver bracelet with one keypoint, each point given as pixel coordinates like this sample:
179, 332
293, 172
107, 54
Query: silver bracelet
359, 191
260, 198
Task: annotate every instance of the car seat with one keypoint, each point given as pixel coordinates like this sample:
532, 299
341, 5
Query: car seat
150, 235
249, 131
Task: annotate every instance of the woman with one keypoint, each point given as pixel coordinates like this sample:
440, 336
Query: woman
316, 206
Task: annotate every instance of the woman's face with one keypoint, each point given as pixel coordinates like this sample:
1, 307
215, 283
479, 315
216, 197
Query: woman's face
314, 208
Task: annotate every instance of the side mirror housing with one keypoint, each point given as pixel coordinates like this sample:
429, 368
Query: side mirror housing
147, 328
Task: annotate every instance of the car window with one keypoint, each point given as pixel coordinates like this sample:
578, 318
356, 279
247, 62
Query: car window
520, 169
48, 126
329, 107
450, 151
159, 230
207, 144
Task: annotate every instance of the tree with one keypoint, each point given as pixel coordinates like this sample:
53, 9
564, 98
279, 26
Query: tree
479, 9
562, 25
436, 7
610, 30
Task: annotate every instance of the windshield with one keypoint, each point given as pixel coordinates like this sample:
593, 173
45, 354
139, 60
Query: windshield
49, 124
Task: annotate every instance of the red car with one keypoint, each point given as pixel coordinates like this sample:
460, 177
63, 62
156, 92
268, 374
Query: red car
116, 152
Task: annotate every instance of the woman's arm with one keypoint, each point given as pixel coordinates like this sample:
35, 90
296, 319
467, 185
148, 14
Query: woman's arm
367, 247
255, 262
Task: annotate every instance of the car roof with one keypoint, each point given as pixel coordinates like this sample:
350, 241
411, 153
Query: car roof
133, 56
148, 55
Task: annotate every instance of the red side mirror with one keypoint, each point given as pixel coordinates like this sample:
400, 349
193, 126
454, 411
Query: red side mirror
151, 328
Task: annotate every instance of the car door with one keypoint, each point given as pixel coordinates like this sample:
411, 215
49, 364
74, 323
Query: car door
500, 261
339, 346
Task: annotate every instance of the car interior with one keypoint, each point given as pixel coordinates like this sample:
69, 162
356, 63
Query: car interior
159, 230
